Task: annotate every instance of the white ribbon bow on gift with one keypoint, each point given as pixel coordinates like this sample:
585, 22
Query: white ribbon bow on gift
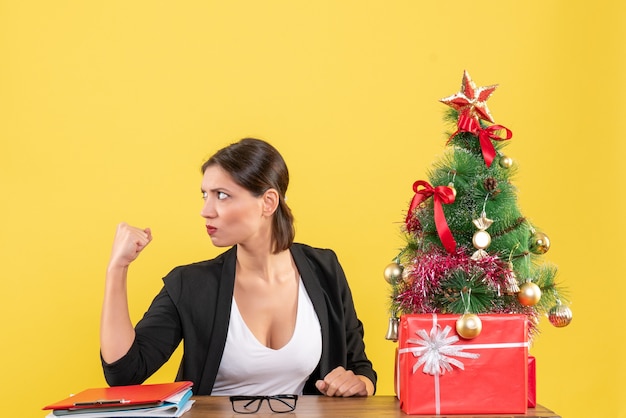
437, 351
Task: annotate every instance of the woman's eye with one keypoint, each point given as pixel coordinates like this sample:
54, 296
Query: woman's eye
221, 195
204, 195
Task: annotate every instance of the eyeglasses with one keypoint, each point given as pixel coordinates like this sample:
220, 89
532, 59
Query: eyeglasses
252, 404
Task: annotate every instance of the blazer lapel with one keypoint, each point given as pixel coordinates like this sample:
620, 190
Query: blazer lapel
316, 294
221, 318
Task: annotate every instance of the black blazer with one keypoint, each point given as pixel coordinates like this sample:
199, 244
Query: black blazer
194, 306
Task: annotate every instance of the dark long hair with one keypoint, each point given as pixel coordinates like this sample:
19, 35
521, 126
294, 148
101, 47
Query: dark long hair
257, 166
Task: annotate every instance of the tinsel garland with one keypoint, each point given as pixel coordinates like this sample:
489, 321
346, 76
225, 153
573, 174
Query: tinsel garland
426, 271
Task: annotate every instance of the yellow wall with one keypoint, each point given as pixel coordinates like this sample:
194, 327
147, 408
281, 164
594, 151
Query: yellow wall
108, 108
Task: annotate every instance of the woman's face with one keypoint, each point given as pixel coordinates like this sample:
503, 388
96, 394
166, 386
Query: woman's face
233, 215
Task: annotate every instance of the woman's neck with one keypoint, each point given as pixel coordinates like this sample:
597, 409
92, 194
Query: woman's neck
263, 263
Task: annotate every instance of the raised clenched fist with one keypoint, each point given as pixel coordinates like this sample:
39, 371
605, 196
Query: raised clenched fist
128, 243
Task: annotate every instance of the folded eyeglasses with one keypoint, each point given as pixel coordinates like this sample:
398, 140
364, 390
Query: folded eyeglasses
252, 404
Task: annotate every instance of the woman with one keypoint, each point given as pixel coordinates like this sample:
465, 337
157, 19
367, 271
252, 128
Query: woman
266, 317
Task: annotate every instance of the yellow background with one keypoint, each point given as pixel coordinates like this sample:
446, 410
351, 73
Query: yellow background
108, 108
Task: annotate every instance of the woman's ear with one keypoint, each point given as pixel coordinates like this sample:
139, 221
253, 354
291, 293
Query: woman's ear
271, 200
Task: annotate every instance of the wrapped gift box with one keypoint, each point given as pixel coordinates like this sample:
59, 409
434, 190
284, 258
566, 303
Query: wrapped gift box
532, 382
441, 373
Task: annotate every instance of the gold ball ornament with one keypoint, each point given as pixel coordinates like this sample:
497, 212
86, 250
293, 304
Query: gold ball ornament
469, 326
539, 243
529, 294
393, 272
505, 162
560, 316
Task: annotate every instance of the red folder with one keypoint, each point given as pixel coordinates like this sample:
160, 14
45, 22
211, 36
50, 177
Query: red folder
121, 396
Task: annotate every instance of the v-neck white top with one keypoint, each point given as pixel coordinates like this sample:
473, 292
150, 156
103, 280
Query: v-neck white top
250, 368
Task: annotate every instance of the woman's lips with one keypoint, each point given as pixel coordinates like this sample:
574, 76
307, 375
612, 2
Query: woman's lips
210, 229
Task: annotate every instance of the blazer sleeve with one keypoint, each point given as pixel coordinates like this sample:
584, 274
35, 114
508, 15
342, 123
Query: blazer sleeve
357, 360
157, 335
344, 331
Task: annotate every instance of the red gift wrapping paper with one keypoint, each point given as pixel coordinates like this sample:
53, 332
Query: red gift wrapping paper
396, 376
532, 382
441, 373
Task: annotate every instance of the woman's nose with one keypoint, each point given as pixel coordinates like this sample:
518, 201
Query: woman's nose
208, 209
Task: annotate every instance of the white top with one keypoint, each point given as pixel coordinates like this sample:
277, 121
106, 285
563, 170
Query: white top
250, 368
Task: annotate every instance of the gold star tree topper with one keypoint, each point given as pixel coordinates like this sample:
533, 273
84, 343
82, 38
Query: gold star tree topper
471, 101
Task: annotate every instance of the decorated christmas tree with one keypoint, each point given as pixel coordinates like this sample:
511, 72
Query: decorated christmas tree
469, 249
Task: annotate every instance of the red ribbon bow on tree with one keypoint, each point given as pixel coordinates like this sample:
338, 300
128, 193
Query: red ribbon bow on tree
441, 194
469, 124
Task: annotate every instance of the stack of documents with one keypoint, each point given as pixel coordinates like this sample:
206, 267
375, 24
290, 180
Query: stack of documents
155, 400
